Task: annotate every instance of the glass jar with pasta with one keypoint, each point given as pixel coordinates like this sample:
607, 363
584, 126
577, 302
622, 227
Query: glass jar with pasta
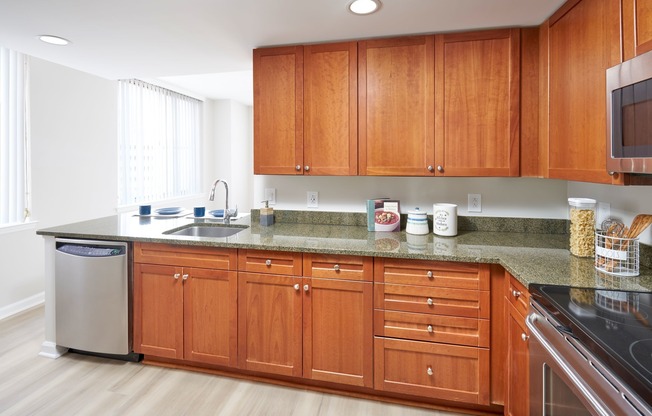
582, 226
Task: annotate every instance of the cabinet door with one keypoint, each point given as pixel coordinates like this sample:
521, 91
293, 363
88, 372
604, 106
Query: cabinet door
158, 310
584, 40
278, 110
338, 332
210, 316
330, 109
518, 376
396, 105
477, 103
269, 323
637, 27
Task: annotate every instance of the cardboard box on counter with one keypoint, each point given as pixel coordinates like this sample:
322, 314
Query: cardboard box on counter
383, 214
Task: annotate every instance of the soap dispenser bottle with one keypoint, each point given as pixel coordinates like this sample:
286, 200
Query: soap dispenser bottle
266, 215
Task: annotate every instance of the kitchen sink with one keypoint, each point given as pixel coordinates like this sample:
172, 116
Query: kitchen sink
206, 230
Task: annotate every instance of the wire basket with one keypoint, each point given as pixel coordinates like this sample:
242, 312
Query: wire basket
616, 255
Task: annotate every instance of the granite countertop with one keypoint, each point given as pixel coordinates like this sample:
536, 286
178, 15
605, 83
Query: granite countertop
531, 257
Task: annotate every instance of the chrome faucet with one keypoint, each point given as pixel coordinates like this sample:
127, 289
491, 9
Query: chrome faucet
211, 197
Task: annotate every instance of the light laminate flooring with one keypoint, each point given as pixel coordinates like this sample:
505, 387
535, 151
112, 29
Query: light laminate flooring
75, 384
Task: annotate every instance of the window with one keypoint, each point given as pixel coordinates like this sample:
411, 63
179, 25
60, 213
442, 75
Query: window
14, 132
159, 143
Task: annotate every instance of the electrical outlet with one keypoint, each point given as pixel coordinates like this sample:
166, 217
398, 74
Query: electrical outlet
475, 203
270, 196
313, 199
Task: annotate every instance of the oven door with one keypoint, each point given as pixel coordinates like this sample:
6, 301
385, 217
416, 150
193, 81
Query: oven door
565, 379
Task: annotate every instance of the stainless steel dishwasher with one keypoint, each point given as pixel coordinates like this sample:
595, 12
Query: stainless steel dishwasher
93, 302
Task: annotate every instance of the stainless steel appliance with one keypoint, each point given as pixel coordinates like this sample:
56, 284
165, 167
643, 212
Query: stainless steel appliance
590, 352
629, 116
92, 292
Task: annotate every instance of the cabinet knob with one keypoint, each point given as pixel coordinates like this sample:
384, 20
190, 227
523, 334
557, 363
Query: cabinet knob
430, 328
429, 274
516, 293
307, 168
296, 286
430, 302
431, 168
336, 267
298, 168
185, 277
440, 168
177, 276
306, 288
268, 262
524, 336
429, 371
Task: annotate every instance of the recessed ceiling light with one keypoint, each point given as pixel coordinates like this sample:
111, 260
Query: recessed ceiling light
54, 40
364, 6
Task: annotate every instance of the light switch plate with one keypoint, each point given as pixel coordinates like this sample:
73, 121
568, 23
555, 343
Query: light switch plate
270, 196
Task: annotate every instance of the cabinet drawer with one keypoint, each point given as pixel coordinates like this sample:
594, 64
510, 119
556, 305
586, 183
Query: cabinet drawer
432, 300
432, 273
272, 262
442, 371
338, 267
174, 255
434, 328
517, 294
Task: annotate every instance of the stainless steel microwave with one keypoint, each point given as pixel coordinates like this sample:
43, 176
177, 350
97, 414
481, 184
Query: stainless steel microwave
629, 116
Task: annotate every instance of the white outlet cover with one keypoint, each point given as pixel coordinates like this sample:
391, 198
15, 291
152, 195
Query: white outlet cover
270, 196
475, 203
313, 199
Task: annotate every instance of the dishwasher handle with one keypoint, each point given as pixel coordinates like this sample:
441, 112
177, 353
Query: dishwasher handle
92, 250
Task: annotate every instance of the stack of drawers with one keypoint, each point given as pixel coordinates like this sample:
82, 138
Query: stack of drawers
431, 327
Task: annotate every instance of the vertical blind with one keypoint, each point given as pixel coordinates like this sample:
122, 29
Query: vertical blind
159, 143
13, 137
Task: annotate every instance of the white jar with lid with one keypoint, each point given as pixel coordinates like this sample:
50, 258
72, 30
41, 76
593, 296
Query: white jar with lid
417, 222
582, 226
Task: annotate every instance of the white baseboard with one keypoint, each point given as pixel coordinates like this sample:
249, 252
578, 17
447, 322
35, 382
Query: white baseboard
52, 350
22, 305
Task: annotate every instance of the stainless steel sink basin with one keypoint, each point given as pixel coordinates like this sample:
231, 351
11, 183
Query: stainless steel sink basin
205, 230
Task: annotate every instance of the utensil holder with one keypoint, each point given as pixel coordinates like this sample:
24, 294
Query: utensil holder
616, 255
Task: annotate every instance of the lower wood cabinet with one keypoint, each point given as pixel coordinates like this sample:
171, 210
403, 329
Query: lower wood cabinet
518, 376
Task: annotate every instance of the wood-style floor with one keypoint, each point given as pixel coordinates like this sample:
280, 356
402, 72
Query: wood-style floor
81, 385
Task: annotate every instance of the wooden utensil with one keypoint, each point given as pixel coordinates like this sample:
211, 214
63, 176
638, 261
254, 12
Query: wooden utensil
640, 223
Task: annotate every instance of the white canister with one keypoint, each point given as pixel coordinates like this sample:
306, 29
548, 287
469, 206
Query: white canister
444, 219
417, 222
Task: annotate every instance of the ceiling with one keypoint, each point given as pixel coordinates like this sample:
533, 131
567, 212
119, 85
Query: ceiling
204, 46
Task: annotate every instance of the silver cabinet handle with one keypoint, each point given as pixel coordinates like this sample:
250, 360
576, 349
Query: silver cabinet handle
336, 267
429, 274
516, 293
430, 328
440, 168
296, 286
297, 168
307, 168
430, 302
306, 288
429, 371
177, 276
185, 277
268, 262
430, 168
524, 336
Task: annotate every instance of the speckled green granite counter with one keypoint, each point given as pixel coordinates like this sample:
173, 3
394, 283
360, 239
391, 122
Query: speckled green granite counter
531, 256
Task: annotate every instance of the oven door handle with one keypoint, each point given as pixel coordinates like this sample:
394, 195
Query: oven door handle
568, 372
565, 330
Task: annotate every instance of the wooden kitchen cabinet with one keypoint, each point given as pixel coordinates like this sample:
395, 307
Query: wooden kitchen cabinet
518, 375
317, 326
637, 27
184, 312
583, 41
396, 101
477, 90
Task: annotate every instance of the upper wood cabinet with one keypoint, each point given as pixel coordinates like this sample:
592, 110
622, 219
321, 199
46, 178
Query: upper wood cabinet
583, 41
305, 110
278, 110
637, 27
477, 103
396, 100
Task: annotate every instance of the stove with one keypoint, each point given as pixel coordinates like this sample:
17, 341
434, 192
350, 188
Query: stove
615, 326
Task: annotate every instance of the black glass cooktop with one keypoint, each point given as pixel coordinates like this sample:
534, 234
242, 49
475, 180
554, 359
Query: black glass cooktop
614, 325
